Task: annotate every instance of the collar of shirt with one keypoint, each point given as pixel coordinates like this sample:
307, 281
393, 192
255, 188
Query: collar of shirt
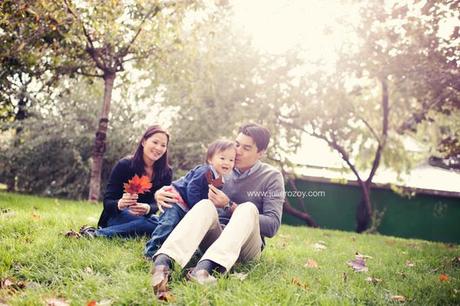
214, 173
241, 175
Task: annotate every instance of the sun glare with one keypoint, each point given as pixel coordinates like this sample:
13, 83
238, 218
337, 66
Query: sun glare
307, 25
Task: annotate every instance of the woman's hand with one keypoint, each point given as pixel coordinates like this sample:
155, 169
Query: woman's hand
139, 209
165, 198
217, 197
127, 200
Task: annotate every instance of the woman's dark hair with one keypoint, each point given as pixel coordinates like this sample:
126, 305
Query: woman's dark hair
258, 133
161, 166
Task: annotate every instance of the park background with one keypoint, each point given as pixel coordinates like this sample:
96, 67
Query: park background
361, 97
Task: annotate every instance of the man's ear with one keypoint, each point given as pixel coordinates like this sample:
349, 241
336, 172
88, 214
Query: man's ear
261, 153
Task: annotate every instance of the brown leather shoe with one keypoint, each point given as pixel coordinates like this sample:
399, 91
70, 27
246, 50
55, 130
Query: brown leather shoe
160, 277
201, 277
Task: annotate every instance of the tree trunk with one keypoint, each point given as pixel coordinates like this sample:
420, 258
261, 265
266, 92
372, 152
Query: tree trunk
287, 208
100, 140
364, 210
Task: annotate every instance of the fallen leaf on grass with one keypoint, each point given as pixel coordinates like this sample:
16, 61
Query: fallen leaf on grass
72, 234
362, 255
409, 263
319, 246
443, 277
373, 280
7, 213
36, 217
91, 303
56, 302
88, 270
402, 274
166, 296
311, 264
398, 298
299, 283
10, 284
358, 264
240, 276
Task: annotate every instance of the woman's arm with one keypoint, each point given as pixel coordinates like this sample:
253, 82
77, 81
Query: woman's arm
114, 191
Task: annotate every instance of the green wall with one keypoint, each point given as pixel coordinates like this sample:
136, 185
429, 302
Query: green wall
421, 216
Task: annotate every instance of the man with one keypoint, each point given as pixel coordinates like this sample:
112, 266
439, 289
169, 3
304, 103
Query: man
249, 208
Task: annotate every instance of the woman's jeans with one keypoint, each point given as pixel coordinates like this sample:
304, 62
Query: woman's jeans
128, 225
166, 223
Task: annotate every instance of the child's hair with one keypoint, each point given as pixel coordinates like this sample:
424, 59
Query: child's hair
218, 146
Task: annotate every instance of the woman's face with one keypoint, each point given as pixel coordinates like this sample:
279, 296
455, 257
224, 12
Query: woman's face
154, 147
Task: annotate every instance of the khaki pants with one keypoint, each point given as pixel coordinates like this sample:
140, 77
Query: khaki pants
239, 240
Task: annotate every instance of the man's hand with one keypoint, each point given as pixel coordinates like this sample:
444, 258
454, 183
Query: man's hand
217, 197
165, 198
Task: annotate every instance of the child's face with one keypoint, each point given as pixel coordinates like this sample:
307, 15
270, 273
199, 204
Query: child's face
223, 161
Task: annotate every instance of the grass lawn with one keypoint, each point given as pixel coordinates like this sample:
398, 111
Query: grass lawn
300, 266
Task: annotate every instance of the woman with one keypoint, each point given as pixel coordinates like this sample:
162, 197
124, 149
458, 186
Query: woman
129, 215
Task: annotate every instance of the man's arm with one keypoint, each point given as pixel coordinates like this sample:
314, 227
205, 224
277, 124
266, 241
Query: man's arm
270, 218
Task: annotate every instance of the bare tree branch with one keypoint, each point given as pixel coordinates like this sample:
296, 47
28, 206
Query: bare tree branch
150, 14
370, 128
385, 112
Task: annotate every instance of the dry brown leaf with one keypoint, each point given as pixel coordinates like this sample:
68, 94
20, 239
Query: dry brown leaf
409, 263
166, 296
299, 283
36, 217
398, 298
443, 277
240, 276
358, 264
72, 234
311, 264
319, 246
373, 280
362, 255
88, 270
56, 302
11, 284
402, 274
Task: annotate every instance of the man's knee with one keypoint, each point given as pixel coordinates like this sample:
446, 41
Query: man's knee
247, 208
205, 207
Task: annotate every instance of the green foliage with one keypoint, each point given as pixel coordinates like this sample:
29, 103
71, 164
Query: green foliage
33, 249
57, 162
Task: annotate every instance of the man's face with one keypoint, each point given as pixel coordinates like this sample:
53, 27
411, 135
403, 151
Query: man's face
246, 152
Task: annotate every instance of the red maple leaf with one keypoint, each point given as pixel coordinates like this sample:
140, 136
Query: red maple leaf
138, 185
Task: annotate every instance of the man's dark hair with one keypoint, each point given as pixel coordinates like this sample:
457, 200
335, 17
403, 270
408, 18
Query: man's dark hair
219, 146
258, 133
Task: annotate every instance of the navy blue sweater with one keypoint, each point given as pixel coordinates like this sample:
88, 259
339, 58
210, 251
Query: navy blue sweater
193, 187
121, 173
